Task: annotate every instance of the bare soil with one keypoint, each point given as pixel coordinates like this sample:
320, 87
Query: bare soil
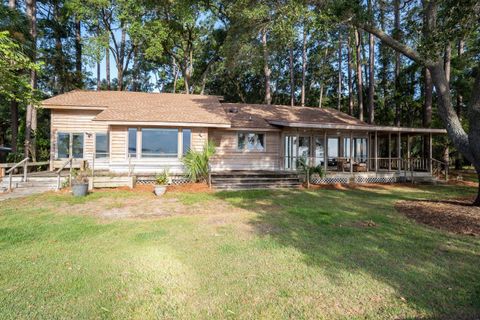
456, 215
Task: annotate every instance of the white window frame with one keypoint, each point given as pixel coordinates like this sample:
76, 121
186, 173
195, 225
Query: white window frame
70, 144
108, 145
139, 145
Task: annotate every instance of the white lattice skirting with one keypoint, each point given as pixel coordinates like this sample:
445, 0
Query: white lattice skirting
316, 179
176, 180
378, 179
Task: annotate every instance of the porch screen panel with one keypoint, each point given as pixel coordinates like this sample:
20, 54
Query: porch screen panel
63, 145
333, 151
360, 145
77, 145
319, 151
159, 142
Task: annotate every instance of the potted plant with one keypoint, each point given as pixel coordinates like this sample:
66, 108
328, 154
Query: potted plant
161, 182
80, 183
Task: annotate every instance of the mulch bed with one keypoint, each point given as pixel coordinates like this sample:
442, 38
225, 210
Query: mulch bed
457, 215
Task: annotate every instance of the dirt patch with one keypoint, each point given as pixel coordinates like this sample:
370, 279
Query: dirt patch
190, 187
457, 216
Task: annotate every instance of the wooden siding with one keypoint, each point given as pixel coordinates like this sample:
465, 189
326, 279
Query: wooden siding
75, 121
228, 157
118, 143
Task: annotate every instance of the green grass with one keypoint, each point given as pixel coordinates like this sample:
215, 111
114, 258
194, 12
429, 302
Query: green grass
247, 254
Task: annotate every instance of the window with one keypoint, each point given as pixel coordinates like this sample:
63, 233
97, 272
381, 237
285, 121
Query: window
69, 145
77, 145
101, 145
360, 149
251, 141
187, 136
304, 147
159, 142
132, 142
63, 145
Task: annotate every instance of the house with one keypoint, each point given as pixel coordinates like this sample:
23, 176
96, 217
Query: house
144, 133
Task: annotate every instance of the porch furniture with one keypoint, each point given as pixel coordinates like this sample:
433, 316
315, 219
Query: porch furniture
360, 167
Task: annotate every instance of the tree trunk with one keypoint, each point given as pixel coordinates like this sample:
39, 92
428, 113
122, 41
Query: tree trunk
266, 68
320, 101
78, 52
427, 105
339, 91
99, 82
461, 45
107, 67
13, 106
175, 77
476, 203
396, 36
120, 58
358, 35
31, 117
292, 79
371, 72
304, 64
350, 77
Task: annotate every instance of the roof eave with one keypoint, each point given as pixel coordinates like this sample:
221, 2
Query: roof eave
166, 123
72, 107
355, 127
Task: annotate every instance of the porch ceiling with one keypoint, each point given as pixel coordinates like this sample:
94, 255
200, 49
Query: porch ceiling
365, 127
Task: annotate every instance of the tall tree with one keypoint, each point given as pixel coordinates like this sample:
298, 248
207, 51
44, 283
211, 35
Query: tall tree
358, 46
31, 115
266, 67
340, 57
397, 36
13, 104
304, 63
455, 20
350, 76
371, 70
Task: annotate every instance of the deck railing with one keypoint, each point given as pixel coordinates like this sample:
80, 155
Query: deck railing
59, 172
10, 171
361, 164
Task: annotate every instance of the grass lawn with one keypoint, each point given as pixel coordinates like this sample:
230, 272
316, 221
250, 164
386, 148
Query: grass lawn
251, 254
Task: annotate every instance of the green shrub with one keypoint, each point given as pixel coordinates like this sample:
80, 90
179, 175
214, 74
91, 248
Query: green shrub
162, 178
196, 162
303, 167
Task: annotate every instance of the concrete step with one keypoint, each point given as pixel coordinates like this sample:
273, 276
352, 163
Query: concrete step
252, 179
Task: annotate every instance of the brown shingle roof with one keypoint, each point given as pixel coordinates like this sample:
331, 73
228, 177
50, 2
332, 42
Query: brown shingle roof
260, 116
145, 107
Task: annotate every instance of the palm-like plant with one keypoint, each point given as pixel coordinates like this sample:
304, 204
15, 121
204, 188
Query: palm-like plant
196, 162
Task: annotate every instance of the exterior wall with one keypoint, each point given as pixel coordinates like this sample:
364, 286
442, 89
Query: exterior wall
75, 121
228, 157
81, 121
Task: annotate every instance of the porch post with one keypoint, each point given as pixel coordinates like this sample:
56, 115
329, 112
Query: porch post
430, 152
376, 151
389, 151
399, 151
408, 151
325, 151
351, 151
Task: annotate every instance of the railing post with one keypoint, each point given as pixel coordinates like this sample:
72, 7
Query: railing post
58, 181
25, 170
10, 181
308, 177
70, 173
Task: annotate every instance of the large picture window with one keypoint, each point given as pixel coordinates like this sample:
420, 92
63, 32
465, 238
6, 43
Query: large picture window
159, 142
69, 145
251, 141
101, 145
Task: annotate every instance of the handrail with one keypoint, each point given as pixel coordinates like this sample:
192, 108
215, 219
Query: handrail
441, 163
10, 172
58, 172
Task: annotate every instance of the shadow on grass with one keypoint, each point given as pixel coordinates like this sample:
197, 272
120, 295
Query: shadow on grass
359, 231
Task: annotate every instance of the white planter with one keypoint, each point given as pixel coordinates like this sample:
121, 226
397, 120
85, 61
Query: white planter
160, 190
